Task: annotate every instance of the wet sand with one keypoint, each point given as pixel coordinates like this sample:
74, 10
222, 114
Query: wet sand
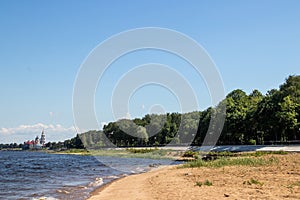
276, 181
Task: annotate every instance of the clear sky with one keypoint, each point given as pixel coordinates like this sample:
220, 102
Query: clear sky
254, 44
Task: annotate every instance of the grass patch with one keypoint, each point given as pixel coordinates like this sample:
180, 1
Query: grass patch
133, 153
296, 184
146, 150
217, 154
253, 182
206, 183
223, 154
190, 154
242, 161
263, 153
226, 154
198, 183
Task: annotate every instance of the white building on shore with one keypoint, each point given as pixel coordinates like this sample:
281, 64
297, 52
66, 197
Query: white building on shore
37, 143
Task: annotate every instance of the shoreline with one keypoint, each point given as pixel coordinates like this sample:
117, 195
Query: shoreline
275, 181
98, 192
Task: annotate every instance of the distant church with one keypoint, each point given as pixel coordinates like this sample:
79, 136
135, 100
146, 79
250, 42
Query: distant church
37, 143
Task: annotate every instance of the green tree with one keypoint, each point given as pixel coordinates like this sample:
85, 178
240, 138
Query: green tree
253, 133
237, 106
287, 118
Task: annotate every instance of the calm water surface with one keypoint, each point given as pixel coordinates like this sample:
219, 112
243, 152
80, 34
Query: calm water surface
35, 175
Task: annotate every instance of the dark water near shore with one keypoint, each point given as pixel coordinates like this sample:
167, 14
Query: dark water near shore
37, 175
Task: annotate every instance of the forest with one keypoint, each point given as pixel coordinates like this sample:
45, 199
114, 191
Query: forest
251, 119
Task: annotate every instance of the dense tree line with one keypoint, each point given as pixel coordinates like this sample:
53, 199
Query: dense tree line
74, 143
250, 119
11, 146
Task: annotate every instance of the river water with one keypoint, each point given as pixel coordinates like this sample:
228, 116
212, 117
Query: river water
37, 175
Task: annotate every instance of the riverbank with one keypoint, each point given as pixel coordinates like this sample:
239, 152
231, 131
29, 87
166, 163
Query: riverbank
151, 153
277, 180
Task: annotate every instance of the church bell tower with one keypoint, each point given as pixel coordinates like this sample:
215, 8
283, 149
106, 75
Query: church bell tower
43, 139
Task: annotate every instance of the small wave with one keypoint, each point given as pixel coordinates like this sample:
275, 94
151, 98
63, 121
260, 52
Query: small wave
63, 191
111, 177
45, 198
98, 181
139, 169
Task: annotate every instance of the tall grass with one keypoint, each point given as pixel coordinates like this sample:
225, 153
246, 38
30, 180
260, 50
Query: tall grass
242, 161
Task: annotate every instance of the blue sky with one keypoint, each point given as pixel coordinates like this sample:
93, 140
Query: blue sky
255, 45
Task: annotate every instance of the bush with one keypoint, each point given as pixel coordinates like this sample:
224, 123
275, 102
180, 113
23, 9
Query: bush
252, 142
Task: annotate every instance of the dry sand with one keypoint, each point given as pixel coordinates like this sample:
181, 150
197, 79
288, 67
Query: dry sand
278, 181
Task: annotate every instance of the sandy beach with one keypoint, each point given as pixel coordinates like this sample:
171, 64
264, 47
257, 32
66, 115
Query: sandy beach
280, 180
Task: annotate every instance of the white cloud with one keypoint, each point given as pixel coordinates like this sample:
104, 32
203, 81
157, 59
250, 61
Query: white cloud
35, 128
19, 134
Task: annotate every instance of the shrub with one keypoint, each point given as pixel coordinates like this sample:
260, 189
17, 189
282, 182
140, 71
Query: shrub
252, 142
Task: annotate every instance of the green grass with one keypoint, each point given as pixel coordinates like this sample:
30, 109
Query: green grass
242, 154
215, 153
191, 154
296, 184
223, 154
146, 150
206, 183
246, 154
262, 153
199, 184
219, 158
124, 153
242, 161
253, 182
133, 153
